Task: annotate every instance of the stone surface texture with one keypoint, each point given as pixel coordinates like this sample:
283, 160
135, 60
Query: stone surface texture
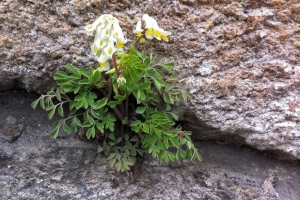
35, 166
240, 58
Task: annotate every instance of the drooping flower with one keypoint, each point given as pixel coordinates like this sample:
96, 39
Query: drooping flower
153, 30
138, 30
165, 35
108, 39
91, 27
103, 66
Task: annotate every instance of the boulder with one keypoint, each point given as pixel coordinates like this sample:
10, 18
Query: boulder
35, 166
240, 59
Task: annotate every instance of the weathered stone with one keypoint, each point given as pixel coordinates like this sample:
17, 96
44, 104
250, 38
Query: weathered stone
36, 166
240, 59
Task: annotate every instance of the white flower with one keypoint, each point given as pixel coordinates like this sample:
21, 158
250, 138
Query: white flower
165, 35
150, 25
150, 21
108, 39
118, 37
103, 57
153, 30
104, 66
91, 27
110, 48
138, 29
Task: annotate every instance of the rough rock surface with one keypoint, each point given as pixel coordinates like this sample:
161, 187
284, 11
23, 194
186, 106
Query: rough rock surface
35, 166
240, 58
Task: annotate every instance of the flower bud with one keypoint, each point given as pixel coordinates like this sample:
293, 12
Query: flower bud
121, 81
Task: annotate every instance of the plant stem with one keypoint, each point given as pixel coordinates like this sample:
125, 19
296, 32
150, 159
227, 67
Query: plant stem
110, 88
115, 64
126, 106
118, 113
123, 111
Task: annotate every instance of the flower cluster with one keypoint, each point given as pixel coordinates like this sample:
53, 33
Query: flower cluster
152, 29
108, 39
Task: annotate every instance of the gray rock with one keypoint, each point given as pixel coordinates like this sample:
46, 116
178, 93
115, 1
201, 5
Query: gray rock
240, 59
36, 166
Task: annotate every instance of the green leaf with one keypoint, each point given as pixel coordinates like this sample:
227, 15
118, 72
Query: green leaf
168, 87
84, 82
100, 103
168, 66
182, 153
57, 93
60, 110
79, 97
157, 131
140, 110
146, 128
126, 137
110, 125
173, 77
157, 84
49, 107
112, 136
118, 166
63, 81
81, 71
50, 115
42, 103
90, 133
166, 158
100, 127
90, 119
61, 75
174, 114
54, 133
67, 87
76, 89
93, 95
70, 68
112, 162
71, 105
86, 124
171, 155
90, 100
66, 128
166, 143
161, 155
174, 142
85, 103
111, 156
35, 103
99, 149
57, 123
73, 128
75, 77
186, 96
119, 139
113, 104
134, 139
79, 104
145, 86
77, 122
160, 145
91, 72
96, 77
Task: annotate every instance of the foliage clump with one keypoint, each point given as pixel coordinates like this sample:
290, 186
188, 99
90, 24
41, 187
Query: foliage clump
137, 95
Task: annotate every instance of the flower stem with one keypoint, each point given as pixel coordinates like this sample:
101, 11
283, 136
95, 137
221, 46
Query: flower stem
115, 64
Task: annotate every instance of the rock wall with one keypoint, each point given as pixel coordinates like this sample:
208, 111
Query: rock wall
240, 59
